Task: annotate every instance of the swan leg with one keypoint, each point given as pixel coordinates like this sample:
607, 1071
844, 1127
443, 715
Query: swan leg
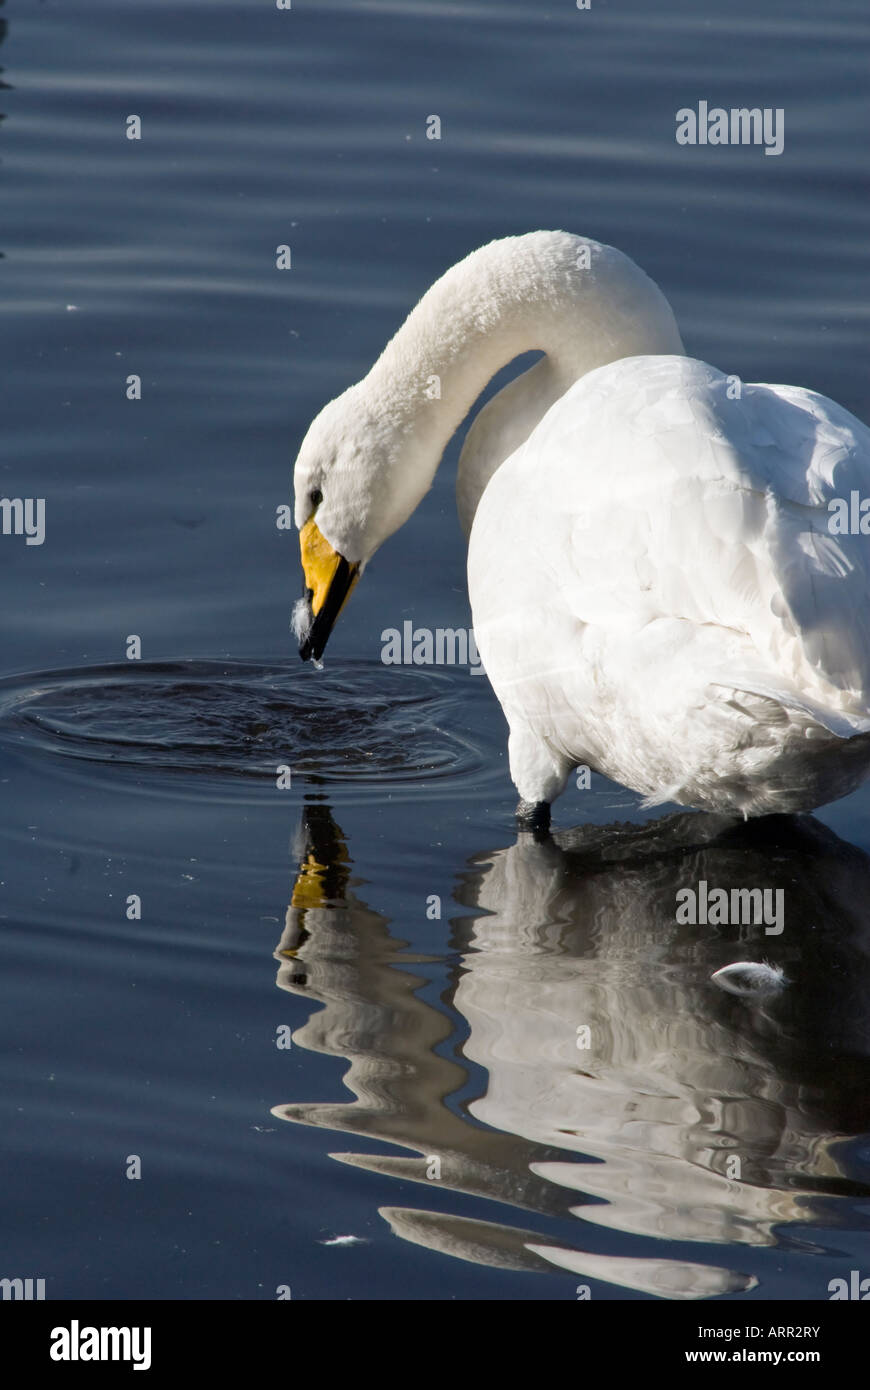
538, 773
533, 815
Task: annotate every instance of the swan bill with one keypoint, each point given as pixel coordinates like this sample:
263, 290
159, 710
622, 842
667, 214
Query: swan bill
329, 579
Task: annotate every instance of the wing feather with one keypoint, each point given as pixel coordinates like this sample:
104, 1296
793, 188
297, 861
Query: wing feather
674, 491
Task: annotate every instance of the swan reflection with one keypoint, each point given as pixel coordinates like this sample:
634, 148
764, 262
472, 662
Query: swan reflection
622, 1089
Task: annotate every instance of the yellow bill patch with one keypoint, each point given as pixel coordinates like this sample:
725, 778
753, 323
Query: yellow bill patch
319, 563
317, 884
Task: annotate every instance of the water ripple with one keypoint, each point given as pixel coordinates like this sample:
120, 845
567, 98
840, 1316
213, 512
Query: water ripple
236, 723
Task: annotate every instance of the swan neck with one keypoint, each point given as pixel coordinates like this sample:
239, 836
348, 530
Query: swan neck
580, 302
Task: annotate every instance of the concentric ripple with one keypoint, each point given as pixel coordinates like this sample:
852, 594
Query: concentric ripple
237, 723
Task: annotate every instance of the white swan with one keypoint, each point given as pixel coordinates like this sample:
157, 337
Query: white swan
655, 586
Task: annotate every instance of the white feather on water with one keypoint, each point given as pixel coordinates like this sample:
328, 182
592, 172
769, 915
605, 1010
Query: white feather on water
750, 978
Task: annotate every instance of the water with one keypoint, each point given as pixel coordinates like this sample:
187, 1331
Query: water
314, 907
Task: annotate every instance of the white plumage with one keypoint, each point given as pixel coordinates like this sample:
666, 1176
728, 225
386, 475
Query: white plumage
682, 620
750, 978
656, 589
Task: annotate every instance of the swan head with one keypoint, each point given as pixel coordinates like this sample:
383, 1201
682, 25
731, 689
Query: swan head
353, 488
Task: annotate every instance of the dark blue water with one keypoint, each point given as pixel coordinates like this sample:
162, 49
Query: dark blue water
433, 1113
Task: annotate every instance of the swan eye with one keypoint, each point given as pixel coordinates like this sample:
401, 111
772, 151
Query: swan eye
316, 497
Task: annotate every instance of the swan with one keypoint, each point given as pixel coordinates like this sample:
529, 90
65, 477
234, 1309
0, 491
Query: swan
657, 589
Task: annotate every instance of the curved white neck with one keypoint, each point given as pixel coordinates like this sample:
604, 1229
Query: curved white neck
582, 303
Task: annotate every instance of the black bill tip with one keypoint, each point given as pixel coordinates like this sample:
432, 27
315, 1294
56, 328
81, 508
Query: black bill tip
314, 641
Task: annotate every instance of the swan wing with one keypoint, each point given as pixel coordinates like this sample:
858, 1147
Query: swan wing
658, 490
